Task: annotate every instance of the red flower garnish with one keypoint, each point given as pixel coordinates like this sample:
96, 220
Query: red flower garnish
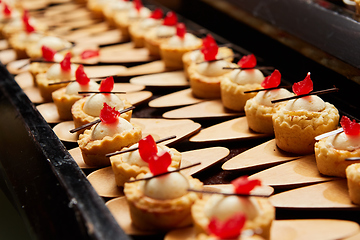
180, 30
65, 64
89, 54
248, 61
147, 148
108, 114
48, 53
350, 127
210, 52
243, 185
28, 27
25, 16
157, 13
170, 19
229, 229
6, 11
81, 76
303, 87
208, 41
138, 5
107, 84
273, 80
159, 163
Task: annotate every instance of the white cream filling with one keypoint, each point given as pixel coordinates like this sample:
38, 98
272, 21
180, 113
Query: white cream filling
143, 13
121, 5
95, 103
310, 103
54, 43
165, 31
56, 73
250, 76
224, 207
133, 157
213, 68
29, 38
169, 186
342, 141
265, 97
189, 40
74, 87
149, 23
102, 130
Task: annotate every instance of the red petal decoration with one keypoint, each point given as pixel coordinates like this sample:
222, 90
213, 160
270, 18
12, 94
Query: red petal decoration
180, 30
81, 76
157, 13
48, 53
248, 61
65, 63
243, 185
273, 80
28, 27
147, 148
108, 114
208, 41
25, 16
159, 163
107, 84
229, 229
303, 87
170, 19
6, 11
210, 52
86, 54
138, 5
351, 128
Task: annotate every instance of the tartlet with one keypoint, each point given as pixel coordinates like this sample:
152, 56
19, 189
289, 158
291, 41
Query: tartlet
114, 8
162, 203
353, 182
173, 50
331, 152
130, 165
102, 139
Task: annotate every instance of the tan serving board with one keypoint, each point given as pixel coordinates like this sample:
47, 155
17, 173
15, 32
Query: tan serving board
258, 190
300, 172
103, 180
176, 78
158, 128
18, 66
234, 129
180, 98
304, 229
7, 55
262, 155
207, 109
328, 195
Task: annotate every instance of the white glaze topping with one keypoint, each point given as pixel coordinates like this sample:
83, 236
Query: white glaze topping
189, 40
133, 157
54, 43
29, 37
95, 103
250, 76
102, 130
121, 5
310, 103
265, 97
342, 141
143, 13
224, 207
169, 186
56, 73
74, 87
213, 69
165, 31
147, 23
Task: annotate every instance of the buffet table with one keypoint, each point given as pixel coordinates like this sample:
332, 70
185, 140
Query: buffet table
52, 193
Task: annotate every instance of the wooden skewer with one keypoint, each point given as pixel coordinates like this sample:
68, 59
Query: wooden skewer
328, 134
228, 194
241, 68
304, 95
218, 59
98, 120
265, 89
162, 174
136, 148
69, 81
89, 92
352, 159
